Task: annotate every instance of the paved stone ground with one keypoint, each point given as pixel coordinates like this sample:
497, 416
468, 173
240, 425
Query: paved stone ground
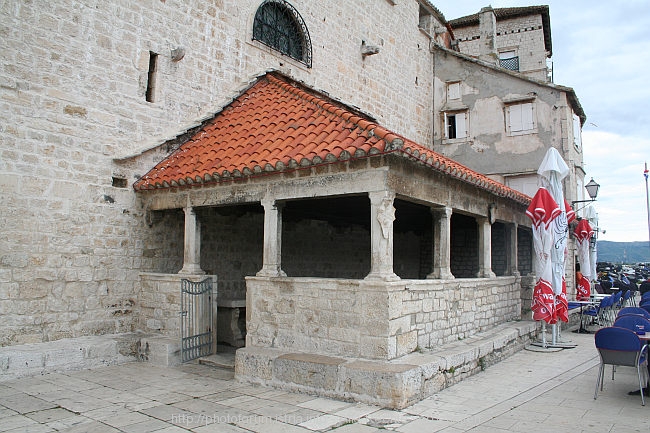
528, 392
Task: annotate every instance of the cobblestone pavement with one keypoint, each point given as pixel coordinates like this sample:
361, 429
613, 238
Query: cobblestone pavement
528, 392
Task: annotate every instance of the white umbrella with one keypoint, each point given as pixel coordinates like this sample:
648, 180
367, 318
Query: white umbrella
542, 211
592, 216
583, 234
552, 170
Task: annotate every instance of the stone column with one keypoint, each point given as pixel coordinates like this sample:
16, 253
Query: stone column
192, 244
512, 257
441, 244
382, 215
485, 248
272, 240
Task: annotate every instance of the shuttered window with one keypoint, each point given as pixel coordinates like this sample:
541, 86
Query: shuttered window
455, 125
521, 118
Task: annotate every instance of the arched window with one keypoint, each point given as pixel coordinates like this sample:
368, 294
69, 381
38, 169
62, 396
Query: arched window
280, 26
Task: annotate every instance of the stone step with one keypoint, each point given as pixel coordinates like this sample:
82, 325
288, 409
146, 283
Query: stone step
220, 360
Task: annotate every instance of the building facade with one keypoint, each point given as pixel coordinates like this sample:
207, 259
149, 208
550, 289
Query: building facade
99, 94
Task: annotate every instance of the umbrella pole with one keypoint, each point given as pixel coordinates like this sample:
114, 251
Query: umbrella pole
554, 334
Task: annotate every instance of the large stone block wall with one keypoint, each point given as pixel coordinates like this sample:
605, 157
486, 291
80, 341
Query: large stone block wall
374, 320
72, 106
160, 302
439, 312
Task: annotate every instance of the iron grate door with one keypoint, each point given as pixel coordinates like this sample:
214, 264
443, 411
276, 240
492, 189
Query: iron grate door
196, 319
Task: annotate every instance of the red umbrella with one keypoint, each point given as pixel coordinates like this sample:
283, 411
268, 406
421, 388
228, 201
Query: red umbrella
542, 211
583, 233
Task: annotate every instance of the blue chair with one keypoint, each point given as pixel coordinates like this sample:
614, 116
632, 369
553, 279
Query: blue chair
617, 299
646, 307
625, 300
633, 310
599, 312
644, 297
620, 346
632, 321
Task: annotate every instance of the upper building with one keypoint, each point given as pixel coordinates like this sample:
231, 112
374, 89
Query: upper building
517, 39
503, 126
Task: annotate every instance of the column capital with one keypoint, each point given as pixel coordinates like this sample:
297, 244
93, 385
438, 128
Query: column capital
442, 212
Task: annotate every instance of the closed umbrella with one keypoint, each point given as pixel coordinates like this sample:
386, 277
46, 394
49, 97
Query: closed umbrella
552, 170
583, 233
542, 211
592, 216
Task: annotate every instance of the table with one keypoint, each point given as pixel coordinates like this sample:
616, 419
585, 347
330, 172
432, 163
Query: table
582, 329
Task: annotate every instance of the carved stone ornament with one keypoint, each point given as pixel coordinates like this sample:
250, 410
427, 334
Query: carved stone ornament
386, 216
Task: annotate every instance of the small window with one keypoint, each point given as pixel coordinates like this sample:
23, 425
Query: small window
280, 26
453, 91
509, 60
119, 182
520, 119
425, 19
151, 76
455, 125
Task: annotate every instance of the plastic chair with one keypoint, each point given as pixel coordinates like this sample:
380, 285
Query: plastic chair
646, 307
625, 300
632, 322
617, 299
633, 310
599, 312
620, 346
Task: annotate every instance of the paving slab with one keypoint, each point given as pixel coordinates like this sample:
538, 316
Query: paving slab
529, 391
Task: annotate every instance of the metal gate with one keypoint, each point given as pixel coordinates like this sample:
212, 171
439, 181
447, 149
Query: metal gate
197, 336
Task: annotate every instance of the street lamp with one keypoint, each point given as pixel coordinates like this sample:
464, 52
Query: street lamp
592, 189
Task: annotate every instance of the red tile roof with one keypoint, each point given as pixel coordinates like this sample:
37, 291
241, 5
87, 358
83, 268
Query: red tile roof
279, 125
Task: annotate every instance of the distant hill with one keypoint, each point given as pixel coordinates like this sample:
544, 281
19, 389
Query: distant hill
623, 252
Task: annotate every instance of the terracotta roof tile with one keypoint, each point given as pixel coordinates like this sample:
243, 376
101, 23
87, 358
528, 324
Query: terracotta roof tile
277, 125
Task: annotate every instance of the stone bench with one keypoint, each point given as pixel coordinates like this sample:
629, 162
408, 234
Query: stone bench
394, 384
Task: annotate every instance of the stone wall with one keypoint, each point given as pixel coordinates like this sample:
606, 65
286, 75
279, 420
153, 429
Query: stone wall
374, 320
73, 107
524, 35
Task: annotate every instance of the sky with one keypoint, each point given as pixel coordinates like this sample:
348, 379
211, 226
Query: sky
602, 50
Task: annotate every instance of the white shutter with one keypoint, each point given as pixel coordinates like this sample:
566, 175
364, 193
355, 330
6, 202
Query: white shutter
453, 91
461, 125
446, 125
514, 112
527, 122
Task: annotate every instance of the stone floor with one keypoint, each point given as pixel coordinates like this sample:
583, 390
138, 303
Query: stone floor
528, 392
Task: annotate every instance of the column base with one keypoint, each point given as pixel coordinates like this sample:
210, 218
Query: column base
192, 270
271, 271
486, 274
441, 275
389, 276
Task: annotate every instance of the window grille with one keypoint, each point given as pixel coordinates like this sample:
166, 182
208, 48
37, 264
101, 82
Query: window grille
280, 26
511, 63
